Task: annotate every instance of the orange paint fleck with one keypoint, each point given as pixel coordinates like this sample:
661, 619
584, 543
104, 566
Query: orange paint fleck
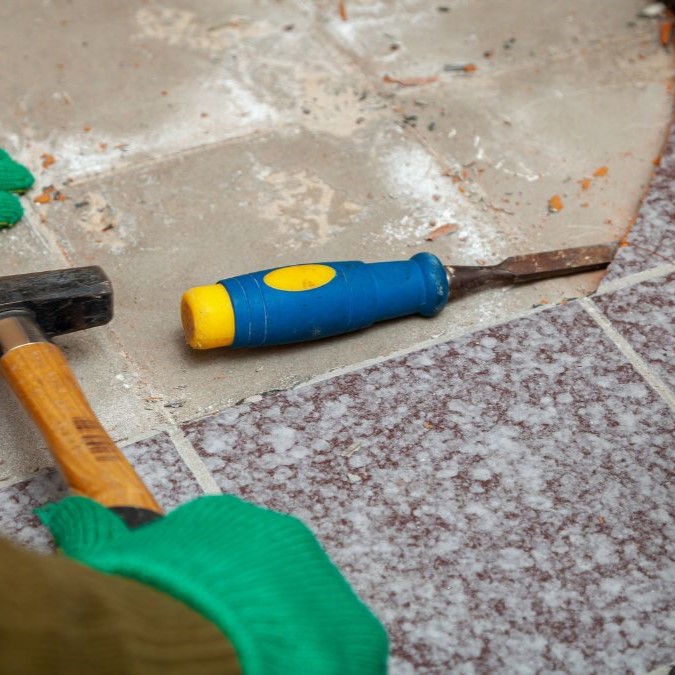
447, 228
555, 204
586, 183
666, 32
657, 160
86, 128
600, 172
342, 10
47, 160
470, 68
44, 198
409, 81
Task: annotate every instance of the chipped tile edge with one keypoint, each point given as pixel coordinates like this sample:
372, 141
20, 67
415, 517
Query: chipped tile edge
654, 381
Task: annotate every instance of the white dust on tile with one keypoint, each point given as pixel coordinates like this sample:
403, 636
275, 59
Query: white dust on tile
304, 208
100, 220
183, 28
431, 199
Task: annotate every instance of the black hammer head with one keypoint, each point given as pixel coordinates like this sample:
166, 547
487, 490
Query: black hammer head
60, 301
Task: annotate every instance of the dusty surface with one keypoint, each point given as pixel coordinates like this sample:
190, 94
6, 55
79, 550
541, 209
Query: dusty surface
496, 482
196, 140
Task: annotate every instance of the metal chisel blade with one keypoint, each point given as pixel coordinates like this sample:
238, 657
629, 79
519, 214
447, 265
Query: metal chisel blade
533, 266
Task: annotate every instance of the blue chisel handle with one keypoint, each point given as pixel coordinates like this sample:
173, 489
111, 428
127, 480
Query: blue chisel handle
308, 302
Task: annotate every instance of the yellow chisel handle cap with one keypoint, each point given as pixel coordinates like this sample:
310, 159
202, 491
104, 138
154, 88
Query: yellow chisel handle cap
208, 317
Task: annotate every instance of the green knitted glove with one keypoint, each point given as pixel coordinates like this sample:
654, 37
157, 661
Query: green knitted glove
14, 177
260, 576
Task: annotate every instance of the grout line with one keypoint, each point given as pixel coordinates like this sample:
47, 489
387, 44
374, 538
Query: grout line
144, 435
656, 383
636, 278
46, 236
29, 477
194, 462
183, 446
418, 346
139, 164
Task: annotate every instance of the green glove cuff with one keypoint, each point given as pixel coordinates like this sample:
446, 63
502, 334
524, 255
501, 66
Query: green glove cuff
14, 177
260, 576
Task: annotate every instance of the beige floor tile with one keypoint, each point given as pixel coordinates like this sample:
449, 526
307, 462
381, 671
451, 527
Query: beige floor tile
416, 38
100, 85
516, 140
559, 91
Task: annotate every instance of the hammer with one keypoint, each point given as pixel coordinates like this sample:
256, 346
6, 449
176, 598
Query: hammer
33, 309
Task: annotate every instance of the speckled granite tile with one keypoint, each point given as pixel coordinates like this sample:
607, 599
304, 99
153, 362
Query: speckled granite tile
164, 472
17, 503
503, 501
645, 315
652, 238
155, 459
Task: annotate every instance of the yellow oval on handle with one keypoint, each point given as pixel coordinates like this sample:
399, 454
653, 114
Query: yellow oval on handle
299, 277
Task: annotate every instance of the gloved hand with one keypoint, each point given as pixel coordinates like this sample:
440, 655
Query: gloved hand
260, 576
16, 178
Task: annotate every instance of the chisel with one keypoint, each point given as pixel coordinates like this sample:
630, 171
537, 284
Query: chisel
309, 302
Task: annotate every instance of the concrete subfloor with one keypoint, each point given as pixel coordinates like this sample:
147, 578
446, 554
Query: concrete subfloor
218, 138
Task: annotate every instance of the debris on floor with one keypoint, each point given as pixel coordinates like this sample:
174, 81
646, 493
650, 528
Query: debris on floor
653, 11
47, 160
447, 228
460, 67
555, 204
410, 81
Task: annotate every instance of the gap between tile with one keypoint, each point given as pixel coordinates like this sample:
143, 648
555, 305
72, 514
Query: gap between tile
633, 357
193, 461
636, 278
140, 164
432, 342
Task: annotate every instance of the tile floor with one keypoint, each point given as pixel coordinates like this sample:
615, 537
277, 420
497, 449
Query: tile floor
185, 157
495, 482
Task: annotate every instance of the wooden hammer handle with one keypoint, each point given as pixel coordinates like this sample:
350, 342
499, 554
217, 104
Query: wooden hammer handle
90, 461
